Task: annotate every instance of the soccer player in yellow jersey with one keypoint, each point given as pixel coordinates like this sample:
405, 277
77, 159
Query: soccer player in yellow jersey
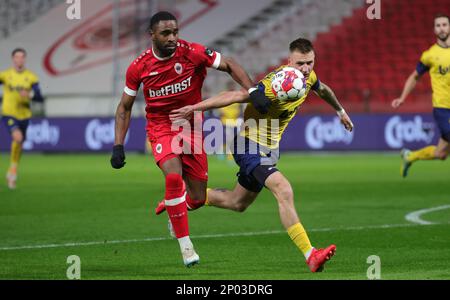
18, 84
231, 120
258, 168
436, 61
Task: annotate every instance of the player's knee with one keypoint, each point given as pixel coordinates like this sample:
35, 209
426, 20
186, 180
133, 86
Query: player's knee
17, 136
194, 204
240, 207
442, 155
283, 191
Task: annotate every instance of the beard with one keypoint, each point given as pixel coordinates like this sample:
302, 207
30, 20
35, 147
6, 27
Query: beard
443, 36
165, 52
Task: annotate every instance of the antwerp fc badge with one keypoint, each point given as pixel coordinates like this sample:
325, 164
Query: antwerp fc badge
178, 68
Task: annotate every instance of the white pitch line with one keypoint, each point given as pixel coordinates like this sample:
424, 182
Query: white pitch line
207, 236
414, 216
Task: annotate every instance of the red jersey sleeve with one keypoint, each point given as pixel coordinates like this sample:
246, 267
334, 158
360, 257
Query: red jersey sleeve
133, 80
205, 56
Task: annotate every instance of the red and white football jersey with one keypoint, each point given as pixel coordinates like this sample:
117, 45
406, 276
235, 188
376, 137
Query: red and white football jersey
172, 82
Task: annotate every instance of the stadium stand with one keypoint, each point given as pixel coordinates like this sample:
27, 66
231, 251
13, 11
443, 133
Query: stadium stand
365, 61
15, 14
261, 42
378, 55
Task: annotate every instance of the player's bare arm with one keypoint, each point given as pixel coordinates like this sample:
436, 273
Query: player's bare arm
410, 84
327, 94
221, 100
123, 116
256, 96
229, 65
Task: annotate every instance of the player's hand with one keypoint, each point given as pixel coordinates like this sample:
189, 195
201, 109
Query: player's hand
345, 120
118, 157
397, 102
260, 100
184, 113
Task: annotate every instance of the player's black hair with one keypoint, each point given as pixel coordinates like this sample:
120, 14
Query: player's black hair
441, 15
302, 45
161, 16
17, 50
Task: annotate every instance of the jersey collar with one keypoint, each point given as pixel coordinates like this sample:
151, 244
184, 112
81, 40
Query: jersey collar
162, 58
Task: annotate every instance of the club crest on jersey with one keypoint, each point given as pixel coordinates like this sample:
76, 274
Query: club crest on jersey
159, 148
178, 68
209, 52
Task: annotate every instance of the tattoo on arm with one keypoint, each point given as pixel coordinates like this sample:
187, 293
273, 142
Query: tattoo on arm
328, 95
121, 116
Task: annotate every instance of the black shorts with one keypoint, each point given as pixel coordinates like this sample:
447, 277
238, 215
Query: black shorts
12, 124
256, 163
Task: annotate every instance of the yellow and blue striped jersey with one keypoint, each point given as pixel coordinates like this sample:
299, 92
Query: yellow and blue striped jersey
436, 60
267, 129
15, 105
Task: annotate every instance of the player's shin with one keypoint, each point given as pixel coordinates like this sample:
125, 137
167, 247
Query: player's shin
16, 152
300, 238
176, 208
176, 205
427, 153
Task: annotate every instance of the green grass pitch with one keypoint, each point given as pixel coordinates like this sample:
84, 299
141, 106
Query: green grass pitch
78, 205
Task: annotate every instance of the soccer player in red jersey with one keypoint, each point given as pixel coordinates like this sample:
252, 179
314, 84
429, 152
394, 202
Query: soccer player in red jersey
172, 72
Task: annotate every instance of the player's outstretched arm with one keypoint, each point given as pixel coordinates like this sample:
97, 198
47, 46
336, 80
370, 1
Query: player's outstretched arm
410, 84
123, 116
257, 97
327, 94
221, 100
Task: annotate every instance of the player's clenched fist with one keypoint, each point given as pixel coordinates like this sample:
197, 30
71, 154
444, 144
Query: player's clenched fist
118, 157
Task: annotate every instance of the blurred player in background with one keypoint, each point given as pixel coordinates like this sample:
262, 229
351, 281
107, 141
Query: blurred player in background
231, 118
172, 73
435, 60
258, 170
19, 84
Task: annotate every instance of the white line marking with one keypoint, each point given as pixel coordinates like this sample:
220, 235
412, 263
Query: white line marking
414, 216
207, 236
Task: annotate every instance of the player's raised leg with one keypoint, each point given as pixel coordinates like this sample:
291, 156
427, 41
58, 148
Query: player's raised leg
238, 199
195, 176
196, 192
440, 151
175, 203
282, 190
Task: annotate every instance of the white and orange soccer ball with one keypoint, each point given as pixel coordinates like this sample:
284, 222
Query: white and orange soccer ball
289, 84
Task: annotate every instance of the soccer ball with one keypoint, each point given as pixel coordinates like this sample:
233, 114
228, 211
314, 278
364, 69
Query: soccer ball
289, 84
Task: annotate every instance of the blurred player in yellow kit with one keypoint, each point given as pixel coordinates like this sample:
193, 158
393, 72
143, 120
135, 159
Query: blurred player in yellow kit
256, 148
18, 85
231, 118
436, 61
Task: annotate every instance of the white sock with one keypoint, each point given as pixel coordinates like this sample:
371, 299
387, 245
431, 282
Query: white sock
185, 242
308, 254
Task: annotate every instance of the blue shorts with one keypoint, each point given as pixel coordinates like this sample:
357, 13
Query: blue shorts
442, 118
12, 124
255, 163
